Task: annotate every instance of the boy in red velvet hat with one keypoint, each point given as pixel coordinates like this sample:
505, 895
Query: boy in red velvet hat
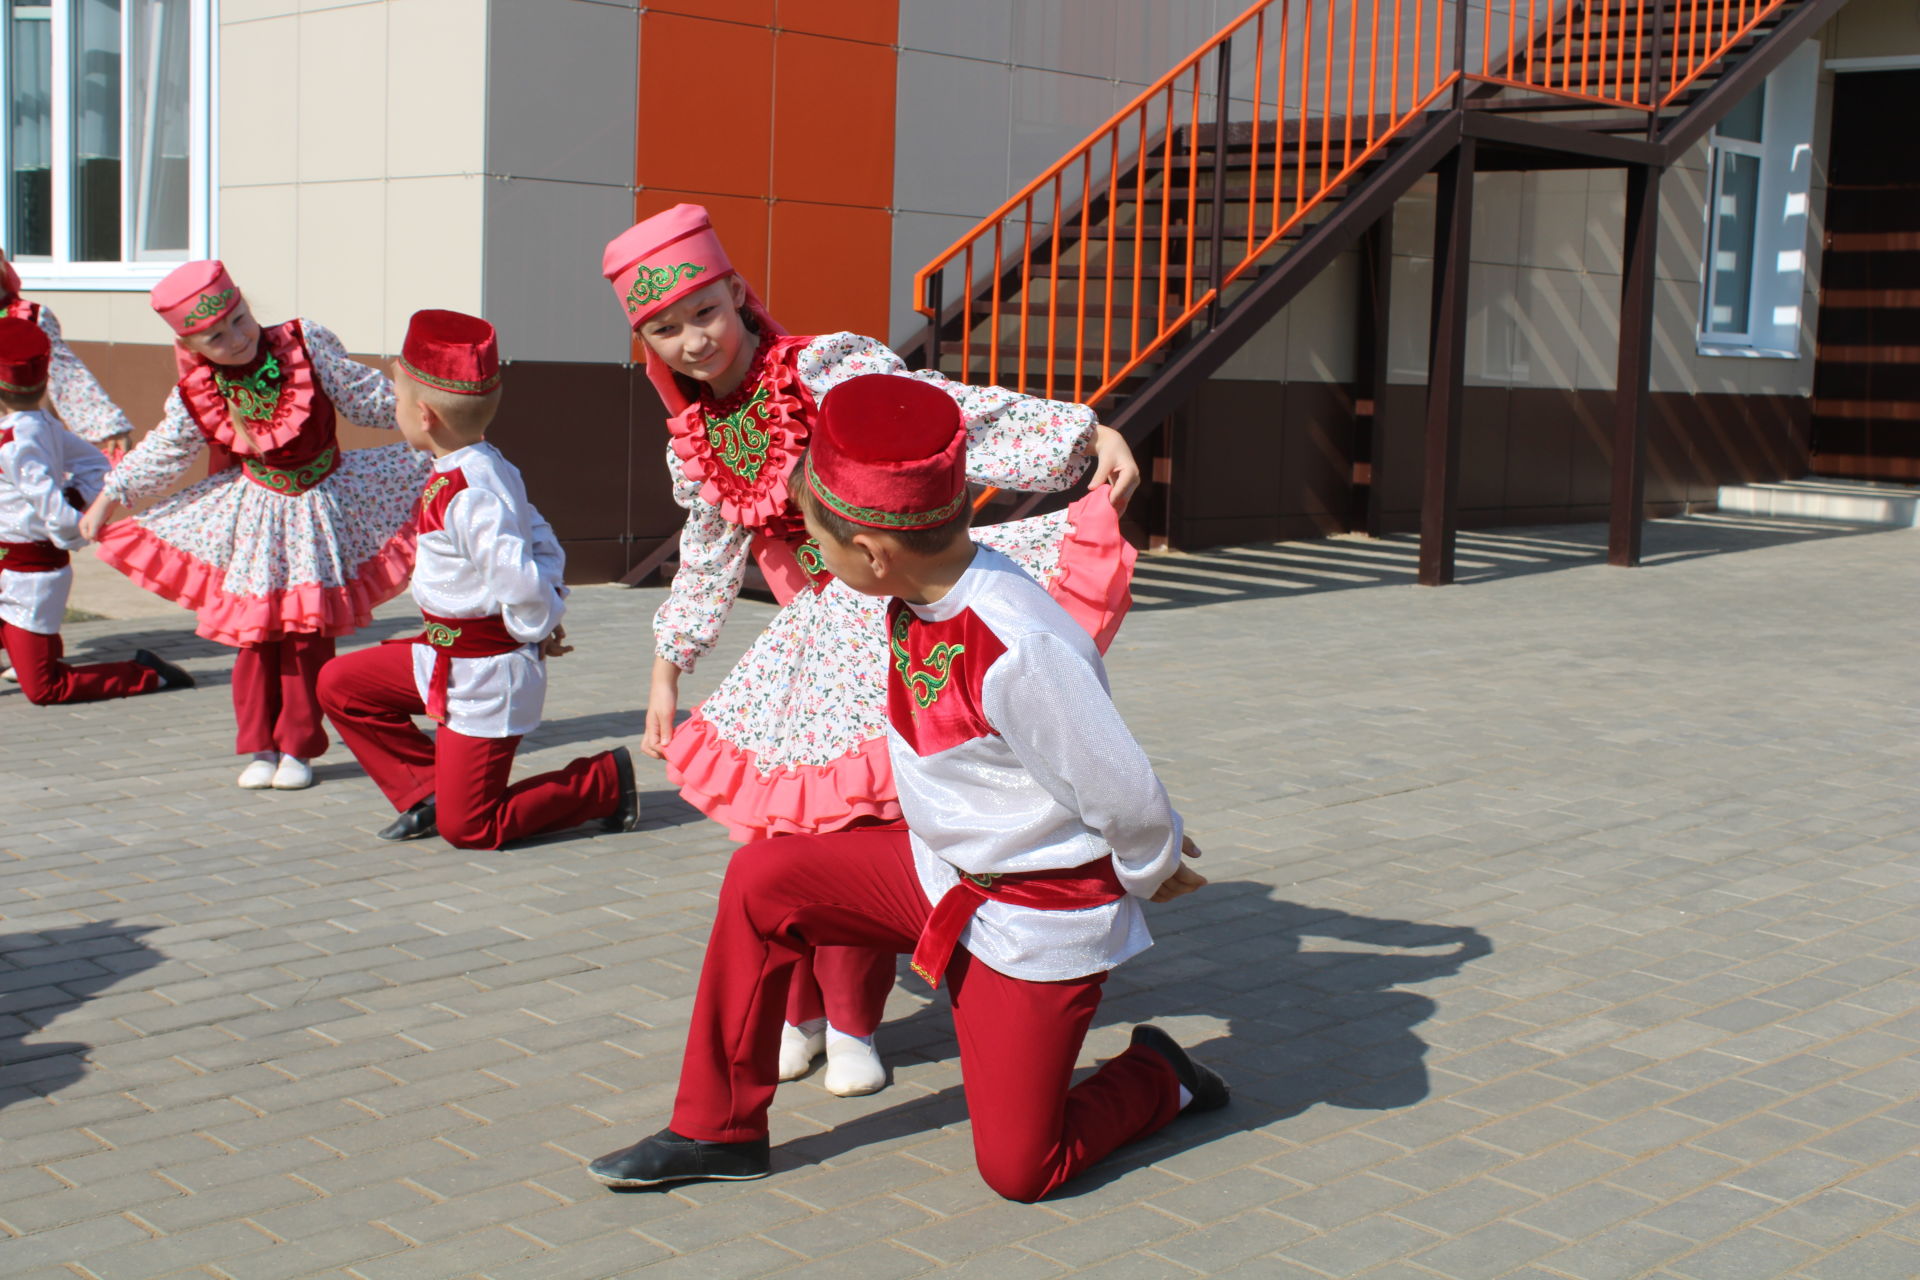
46, 474
487, 577
1034, 826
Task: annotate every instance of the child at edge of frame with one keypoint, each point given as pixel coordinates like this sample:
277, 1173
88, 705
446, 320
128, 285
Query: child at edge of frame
487, 576
47, 476
1033, 826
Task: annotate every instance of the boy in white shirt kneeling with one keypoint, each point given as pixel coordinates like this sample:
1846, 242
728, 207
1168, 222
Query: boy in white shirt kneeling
1034, 827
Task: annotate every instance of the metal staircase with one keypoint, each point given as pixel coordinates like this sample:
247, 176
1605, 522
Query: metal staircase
1133, 267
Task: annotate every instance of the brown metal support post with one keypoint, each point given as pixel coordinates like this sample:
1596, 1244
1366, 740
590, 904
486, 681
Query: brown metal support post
1373, 307
933, 300
1633, 401
1446, 365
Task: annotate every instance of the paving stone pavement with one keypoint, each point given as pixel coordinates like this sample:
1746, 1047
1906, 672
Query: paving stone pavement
1565, 923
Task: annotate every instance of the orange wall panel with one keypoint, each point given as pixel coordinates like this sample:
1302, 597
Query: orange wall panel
830, 268
833, 121
756, 13
874, 21
706, 104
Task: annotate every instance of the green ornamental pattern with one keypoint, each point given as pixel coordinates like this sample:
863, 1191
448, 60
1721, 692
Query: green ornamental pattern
256, 397
209, 306
883, 519
926, 686
442, 636
426, 499
739, 440
655, 283
812, 562
295, 480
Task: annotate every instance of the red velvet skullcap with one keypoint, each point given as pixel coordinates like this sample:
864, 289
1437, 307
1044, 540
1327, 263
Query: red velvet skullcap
194, 295
889, 452
25, 354
451, 351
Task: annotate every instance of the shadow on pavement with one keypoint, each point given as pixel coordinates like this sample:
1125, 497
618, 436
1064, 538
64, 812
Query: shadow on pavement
1263, 570
45, 974
1304, 1026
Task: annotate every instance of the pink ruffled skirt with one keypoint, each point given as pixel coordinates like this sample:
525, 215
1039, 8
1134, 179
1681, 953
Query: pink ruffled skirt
794, 739
256, 565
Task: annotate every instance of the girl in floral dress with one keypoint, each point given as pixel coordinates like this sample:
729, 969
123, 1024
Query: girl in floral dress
793, 740
291, 541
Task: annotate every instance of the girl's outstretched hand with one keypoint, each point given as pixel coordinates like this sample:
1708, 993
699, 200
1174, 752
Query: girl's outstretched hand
663, 699
1113, 465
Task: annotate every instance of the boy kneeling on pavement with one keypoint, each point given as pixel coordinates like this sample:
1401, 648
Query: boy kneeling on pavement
1034, 826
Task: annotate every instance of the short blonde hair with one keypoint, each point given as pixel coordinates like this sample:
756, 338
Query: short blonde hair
467, 415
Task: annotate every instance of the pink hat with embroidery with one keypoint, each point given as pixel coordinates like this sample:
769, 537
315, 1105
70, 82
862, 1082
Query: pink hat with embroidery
654, 264
194, 295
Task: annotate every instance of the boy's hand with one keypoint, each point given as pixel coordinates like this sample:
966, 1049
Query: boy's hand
555, 645
96, 516
1113, 464
1183, 881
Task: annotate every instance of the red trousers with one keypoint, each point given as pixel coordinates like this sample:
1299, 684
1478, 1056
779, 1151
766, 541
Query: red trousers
371, 698
1033, 1129
848, 986
274, 702
45, 679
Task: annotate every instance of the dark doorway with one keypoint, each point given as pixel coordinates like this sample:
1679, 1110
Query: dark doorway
1866, 382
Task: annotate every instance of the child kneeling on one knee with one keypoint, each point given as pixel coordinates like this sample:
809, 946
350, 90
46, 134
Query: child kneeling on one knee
1034, 827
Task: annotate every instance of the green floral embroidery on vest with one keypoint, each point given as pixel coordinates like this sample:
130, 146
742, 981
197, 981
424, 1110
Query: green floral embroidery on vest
209, 306
655, 283
739, 440
925, 686
426, 499
296, 480
442, 636
812, 563
254, 397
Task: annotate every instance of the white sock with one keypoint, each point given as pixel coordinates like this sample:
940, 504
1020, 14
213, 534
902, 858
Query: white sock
811, 1027
1186, 1096
267, 757
837, 1036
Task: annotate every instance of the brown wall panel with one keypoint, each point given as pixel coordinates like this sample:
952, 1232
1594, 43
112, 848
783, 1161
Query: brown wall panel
1540, 426
1316, 468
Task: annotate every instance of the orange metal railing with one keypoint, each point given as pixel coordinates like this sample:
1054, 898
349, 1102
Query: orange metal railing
1316, 87
1620, 53
1138, 230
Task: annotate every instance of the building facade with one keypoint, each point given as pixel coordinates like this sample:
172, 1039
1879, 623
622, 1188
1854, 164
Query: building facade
354, 161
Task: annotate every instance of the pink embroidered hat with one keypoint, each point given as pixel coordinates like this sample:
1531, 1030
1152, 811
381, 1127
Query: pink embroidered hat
452, 351
194, 295
653, 264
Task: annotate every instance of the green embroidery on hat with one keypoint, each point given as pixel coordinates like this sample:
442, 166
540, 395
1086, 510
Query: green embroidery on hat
655, 283
738, 439
884, 519
255, 397
18, 389
478, 388
925, 686
209, 306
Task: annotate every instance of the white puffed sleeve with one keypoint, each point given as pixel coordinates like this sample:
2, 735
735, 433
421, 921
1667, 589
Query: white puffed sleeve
162, 456
713, 563
361, 394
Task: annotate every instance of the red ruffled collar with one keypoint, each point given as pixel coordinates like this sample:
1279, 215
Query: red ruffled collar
741, 449
284, 344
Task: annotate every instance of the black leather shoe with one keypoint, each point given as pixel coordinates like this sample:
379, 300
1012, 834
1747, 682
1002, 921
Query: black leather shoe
668, 1157
627, 816
1209, 1091
414, 824
171, 677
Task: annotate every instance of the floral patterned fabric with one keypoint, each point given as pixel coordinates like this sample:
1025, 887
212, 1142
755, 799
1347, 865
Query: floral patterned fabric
77, 395
256, 564
793, 739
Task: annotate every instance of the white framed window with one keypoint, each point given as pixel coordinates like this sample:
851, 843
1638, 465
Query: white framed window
107, 151
1760, 174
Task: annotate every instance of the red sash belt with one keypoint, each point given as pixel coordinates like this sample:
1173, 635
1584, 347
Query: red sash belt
1092, 884
32, 557
459, 638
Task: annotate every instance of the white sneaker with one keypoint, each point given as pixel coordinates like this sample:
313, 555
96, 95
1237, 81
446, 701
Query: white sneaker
853, 1067
798, 1049
294, 774
258, 776
10, 675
